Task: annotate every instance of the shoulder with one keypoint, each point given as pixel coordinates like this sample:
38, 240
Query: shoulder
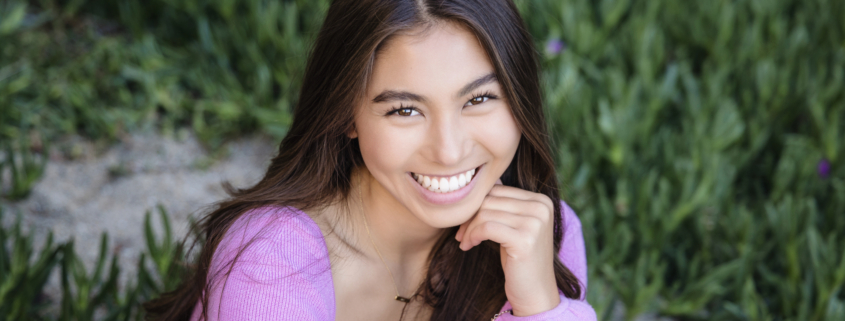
271, 239
271, 264
573, 252
263, 220
569, 218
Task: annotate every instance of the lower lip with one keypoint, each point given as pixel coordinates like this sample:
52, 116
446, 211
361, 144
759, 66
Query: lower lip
446, 198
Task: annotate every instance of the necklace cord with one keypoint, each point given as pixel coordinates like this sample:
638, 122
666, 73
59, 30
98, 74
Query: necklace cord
370, 237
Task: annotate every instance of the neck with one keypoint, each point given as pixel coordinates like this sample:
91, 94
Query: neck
404, 241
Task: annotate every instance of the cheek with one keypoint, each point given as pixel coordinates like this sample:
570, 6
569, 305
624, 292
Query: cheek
498, 133
384, 149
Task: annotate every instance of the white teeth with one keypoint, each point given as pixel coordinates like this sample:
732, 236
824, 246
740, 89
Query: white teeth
453, 183
445, 184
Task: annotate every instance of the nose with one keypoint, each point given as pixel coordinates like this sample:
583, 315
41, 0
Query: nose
451, 141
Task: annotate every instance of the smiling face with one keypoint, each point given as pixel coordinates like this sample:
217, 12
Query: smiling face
435, 129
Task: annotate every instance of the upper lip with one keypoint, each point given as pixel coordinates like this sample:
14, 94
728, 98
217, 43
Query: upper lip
455, 174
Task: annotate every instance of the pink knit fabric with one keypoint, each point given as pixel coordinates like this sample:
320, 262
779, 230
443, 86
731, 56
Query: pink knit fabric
284, 273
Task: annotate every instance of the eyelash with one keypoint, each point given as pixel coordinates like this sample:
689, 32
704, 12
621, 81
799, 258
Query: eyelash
395, 110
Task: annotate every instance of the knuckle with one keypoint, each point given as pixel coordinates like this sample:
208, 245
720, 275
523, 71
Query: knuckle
487, 227
528, 239
540, 210
545, 200
534, 224
531, 242
549, 204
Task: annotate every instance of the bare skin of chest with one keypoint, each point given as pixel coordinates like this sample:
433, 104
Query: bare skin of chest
364, 290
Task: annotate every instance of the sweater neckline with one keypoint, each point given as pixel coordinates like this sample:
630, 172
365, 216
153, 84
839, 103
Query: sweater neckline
315, 228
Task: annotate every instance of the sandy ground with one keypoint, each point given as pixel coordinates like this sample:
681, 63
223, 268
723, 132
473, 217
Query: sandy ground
111, 190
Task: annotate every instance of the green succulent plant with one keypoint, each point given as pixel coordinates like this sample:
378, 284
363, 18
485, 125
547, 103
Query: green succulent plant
700, 142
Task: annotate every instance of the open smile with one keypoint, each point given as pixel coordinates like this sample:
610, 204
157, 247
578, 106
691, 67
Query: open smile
445, 189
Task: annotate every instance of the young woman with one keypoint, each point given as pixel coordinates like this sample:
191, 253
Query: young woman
416, 182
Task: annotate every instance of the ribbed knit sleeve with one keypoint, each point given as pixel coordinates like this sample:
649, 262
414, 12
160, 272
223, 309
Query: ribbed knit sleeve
574, 256
282, 273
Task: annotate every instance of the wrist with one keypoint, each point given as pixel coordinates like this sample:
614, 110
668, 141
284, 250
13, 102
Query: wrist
537, 305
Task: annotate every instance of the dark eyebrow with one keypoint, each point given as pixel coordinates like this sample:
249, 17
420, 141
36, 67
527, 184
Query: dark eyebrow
488, 78
389, 95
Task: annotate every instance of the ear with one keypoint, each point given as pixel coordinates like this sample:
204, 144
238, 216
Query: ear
353, 132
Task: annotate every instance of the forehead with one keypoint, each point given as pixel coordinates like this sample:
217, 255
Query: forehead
434, 61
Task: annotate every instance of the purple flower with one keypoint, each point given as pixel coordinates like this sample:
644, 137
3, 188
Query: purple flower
555, 46
824, 168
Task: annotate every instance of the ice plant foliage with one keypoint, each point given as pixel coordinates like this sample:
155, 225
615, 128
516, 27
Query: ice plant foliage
689, 135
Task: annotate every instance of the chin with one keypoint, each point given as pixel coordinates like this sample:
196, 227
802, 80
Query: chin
446, 218
448, 215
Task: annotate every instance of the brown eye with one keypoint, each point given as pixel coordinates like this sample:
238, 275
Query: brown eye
406, 112
476, 100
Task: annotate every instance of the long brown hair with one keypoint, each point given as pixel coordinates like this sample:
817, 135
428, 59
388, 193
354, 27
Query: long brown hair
316, 159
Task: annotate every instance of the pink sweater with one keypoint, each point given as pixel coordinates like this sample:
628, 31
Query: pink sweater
285, 272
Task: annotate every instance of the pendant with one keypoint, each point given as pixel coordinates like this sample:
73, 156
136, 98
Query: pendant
402, 299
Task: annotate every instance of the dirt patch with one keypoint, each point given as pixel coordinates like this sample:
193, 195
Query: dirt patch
110, 191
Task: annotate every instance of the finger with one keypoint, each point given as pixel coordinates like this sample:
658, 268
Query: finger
520, 194
460, 234
489, 230
517, 206
487, 215
499, 182
515, 192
